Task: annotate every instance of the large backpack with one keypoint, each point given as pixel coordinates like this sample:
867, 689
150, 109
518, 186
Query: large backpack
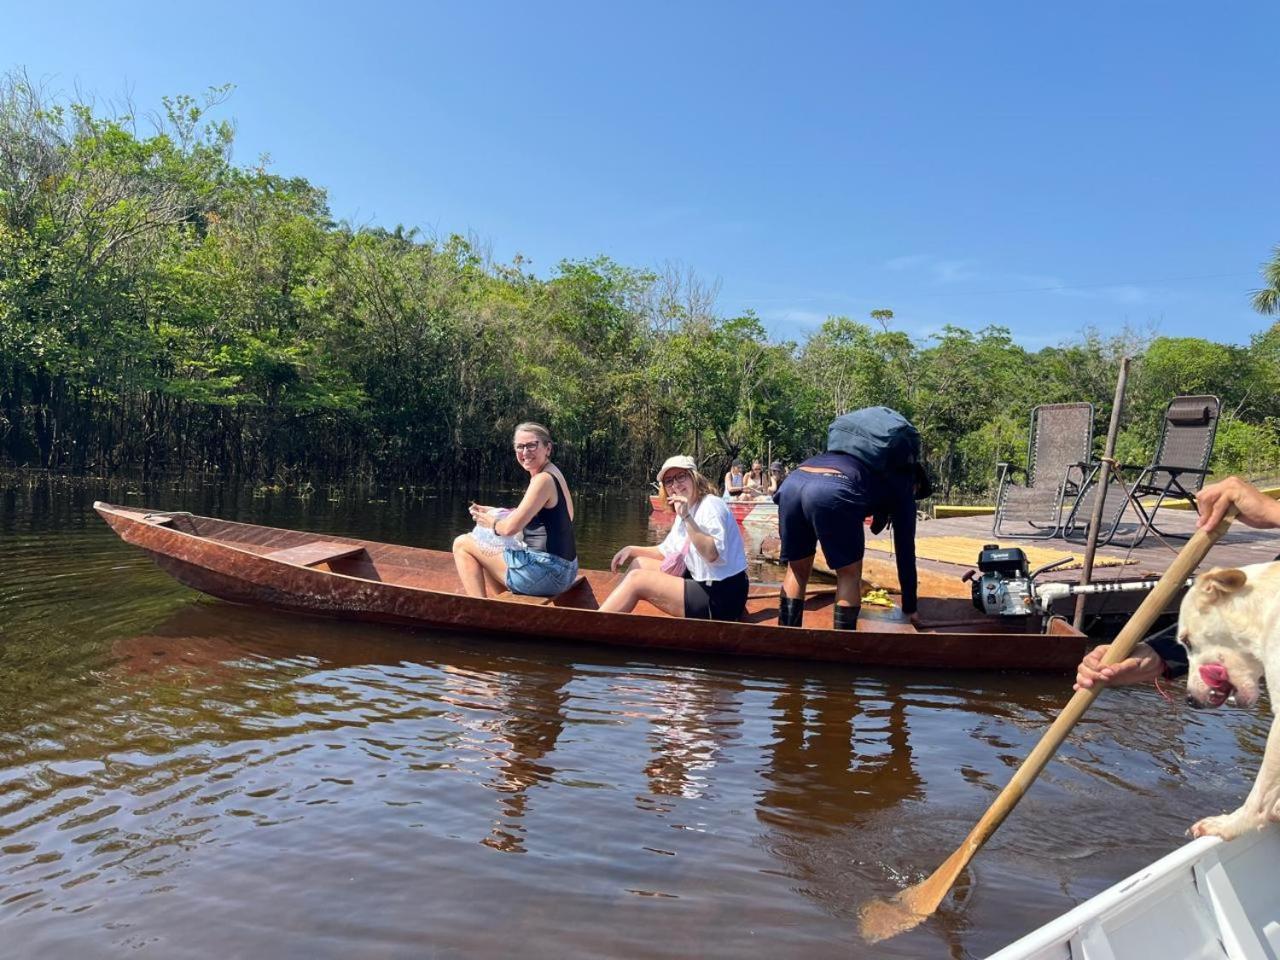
881, 438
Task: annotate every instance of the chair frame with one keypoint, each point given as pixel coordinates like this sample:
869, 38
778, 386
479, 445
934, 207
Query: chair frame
1066, 484
1145, 484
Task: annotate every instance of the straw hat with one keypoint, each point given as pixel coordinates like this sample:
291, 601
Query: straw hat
678, 462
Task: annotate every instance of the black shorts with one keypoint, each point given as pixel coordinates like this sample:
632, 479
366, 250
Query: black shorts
716, 600
826, 508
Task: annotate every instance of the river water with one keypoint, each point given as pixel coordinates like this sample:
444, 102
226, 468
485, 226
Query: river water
180, 777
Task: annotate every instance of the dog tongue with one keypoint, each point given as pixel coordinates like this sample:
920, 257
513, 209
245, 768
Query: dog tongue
1215, 677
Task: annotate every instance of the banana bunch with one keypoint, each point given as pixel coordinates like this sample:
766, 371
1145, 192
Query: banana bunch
877, 597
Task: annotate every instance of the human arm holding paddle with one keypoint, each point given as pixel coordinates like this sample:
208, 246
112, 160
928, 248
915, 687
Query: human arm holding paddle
1144, 664
1255, 507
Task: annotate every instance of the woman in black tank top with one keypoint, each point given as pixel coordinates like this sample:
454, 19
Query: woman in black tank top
547, 563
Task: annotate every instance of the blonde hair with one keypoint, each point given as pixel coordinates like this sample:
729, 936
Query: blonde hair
701, 487
537, 429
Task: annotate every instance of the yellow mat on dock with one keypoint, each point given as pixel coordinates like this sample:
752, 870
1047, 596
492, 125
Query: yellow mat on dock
964, 551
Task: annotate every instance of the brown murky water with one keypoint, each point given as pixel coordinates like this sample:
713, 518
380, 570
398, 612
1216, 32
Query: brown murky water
185, 778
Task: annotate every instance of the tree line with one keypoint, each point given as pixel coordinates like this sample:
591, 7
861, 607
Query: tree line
163, 309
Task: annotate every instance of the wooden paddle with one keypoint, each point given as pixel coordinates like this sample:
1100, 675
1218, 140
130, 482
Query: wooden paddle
881, 919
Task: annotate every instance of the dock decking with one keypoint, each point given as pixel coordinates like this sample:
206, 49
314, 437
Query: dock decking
1242, 545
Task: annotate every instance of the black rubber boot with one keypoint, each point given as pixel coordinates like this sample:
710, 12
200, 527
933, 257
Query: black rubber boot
790, 612
845, 618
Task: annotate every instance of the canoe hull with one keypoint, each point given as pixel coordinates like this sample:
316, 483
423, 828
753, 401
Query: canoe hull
414, 587
1205, 899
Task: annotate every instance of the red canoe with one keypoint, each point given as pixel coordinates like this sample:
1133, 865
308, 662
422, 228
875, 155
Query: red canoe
741, 509
363, 580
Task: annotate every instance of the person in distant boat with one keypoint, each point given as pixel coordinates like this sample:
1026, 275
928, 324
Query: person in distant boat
825, 501
734, 481
777, 473
1161, 655
756, 483
548, 564
700, 570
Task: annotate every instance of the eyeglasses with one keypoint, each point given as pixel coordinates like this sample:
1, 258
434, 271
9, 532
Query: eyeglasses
528, 447
676, 476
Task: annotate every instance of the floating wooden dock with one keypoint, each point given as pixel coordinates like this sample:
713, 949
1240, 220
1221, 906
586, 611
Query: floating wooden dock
1241, 545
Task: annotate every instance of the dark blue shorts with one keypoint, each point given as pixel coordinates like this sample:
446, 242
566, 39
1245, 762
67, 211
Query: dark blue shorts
824, 508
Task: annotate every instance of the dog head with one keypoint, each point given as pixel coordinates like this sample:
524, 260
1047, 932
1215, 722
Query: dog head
1218, 624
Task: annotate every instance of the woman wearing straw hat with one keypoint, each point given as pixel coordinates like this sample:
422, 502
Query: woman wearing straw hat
700, 569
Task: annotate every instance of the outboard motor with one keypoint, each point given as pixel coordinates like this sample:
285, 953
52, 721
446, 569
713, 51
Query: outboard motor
1003, 586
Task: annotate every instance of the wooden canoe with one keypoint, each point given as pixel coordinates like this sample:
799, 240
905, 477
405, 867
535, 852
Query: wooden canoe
363, 580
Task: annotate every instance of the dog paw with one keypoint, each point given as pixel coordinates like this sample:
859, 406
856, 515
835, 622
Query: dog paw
1228, 826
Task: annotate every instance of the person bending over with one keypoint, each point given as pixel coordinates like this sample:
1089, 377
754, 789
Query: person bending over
825, 501
548, 564
700, 569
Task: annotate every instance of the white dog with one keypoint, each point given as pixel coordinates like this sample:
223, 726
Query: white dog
1230, 624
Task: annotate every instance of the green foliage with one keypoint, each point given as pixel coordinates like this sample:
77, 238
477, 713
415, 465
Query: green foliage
1267, 299
163, 308
1252, 449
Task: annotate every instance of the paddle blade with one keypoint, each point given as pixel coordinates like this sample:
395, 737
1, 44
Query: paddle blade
882, 919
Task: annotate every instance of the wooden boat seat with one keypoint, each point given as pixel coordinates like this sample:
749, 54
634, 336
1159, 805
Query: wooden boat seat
541, 601
317, 552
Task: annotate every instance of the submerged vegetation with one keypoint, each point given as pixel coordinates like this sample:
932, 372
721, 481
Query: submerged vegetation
165, 310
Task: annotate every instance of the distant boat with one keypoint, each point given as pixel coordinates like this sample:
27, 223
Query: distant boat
1205, 899
759, 511
364, 580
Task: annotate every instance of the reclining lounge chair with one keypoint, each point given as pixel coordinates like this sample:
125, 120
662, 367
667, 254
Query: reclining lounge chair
1058, 449
1177, 471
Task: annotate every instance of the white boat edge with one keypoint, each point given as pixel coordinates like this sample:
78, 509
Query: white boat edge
1205, 899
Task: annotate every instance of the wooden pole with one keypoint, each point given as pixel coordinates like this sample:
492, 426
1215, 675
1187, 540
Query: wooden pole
1104, 478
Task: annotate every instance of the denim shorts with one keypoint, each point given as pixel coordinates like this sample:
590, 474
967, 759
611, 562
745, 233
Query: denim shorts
825, 508
533, 573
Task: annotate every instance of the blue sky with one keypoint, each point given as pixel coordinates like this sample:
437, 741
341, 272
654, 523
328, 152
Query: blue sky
1046, 167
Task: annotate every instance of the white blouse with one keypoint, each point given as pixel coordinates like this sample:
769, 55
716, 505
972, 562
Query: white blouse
713, 517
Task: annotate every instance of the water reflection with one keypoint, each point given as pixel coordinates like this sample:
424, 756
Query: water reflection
176, 771
694, 718
837, 753
531, 722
